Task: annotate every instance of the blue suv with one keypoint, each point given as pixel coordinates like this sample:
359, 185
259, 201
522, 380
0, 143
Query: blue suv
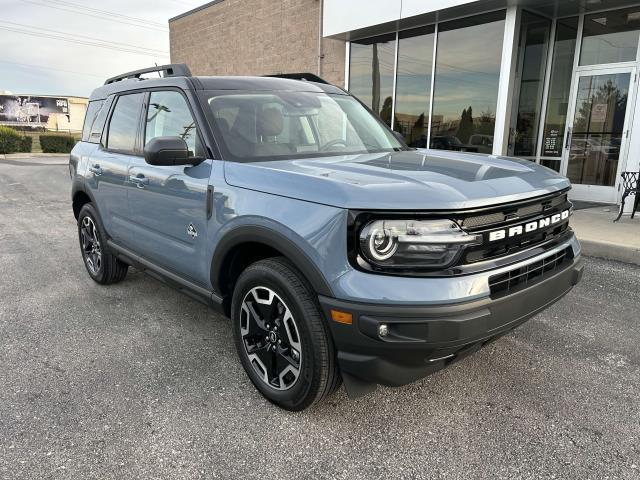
339, 253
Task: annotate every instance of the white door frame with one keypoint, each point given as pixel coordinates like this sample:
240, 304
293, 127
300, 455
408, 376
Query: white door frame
599, 193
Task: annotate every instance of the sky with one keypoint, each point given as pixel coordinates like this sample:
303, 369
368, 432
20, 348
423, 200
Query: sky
69, 47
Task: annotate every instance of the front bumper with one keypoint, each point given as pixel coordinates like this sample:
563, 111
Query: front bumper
425, 338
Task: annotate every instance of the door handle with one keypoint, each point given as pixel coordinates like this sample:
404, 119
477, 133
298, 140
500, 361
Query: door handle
95, 169
139, 180
568, 141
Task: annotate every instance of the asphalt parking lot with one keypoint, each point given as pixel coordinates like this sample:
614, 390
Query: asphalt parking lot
136, 380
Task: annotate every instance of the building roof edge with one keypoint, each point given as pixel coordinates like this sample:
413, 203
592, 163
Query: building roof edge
194, 10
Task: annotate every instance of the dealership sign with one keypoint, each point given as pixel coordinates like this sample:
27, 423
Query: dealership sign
31, 110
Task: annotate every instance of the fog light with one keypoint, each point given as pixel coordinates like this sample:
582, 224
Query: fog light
383, 330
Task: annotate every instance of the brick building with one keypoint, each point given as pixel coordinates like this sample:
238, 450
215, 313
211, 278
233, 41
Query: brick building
256, 37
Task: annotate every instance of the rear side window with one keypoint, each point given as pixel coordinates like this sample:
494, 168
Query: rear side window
90, 117
123, 126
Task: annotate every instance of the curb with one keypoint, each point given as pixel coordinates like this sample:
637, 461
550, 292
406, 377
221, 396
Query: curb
9, 156
611, 251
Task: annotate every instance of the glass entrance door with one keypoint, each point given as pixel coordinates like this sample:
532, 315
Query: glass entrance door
598, 134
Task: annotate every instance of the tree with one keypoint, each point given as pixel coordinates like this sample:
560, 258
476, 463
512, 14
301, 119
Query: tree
418, 136
487, 122
466, 127
385, 111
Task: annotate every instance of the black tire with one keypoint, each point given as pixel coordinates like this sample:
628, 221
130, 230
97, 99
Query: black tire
318, 373
108, 269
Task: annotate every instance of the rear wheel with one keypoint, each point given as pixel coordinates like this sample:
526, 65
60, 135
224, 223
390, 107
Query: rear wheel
283, 342
103, 267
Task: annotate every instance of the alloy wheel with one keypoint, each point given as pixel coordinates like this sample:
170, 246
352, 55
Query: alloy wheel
91, 249
271, 338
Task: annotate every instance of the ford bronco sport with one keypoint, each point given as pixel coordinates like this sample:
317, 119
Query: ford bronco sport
339, 253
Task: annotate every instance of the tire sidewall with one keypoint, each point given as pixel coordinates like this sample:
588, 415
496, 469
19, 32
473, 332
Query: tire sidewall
297, 395
88, 210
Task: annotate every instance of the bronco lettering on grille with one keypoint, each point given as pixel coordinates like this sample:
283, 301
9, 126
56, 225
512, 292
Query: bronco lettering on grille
528, 227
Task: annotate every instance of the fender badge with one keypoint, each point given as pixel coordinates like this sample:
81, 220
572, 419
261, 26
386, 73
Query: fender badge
191, 231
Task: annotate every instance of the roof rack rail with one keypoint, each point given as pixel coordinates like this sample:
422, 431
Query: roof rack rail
172, 70
309, 77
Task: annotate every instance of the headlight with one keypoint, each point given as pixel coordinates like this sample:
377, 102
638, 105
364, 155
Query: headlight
402, 244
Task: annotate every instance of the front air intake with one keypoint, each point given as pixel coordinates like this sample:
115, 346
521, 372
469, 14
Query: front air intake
523, 277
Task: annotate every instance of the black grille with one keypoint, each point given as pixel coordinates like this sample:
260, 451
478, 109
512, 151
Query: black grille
510, 213
520, 278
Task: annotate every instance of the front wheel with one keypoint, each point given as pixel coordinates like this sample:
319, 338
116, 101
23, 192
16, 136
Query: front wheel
282, 340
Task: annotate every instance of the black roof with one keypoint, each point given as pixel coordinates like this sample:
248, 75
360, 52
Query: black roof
215, 83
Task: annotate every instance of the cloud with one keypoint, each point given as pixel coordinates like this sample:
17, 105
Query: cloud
35, 65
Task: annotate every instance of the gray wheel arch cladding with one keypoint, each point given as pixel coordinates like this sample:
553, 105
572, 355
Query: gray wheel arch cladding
275, 240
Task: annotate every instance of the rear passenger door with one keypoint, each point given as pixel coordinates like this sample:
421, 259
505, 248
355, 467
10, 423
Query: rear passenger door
167, 204
107, 169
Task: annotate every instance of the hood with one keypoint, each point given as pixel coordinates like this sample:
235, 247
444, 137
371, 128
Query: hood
408, 180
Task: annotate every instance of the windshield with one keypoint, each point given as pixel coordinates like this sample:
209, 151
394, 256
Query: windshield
283, 125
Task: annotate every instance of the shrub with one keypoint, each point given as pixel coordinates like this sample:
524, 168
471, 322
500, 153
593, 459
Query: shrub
11, 141
57, 143
25, 144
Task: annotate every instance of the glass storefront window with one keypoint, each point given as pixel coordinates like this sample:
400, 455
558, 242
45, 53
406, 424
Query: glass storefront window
467, 74
413, 85
371, 73
532, 57
559, 89
610, 37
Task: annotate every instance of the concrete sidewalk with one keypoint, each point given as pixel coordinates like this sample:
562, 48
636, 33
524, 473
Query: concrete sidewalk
602, 238
11, 156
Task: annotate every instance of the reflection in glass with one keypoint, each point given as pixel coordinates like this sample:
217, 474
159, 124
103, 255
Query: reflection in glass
124, 122
559, 87
598, 126
413, 85
169, 116
610, 37
552, 163
532, 52
371, 73
466, 83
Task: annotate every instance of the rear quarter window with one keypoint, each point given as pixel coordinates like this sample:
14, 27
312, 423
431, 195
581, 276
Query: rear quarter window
93, 109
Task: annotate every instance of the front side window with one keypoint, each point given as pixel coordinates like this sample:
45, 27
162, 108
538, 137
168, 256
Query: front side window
123, 126
283, 125
169, 116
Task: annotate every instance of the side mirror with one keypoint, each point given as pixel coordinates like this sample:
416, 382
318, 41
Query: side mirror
166, 151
